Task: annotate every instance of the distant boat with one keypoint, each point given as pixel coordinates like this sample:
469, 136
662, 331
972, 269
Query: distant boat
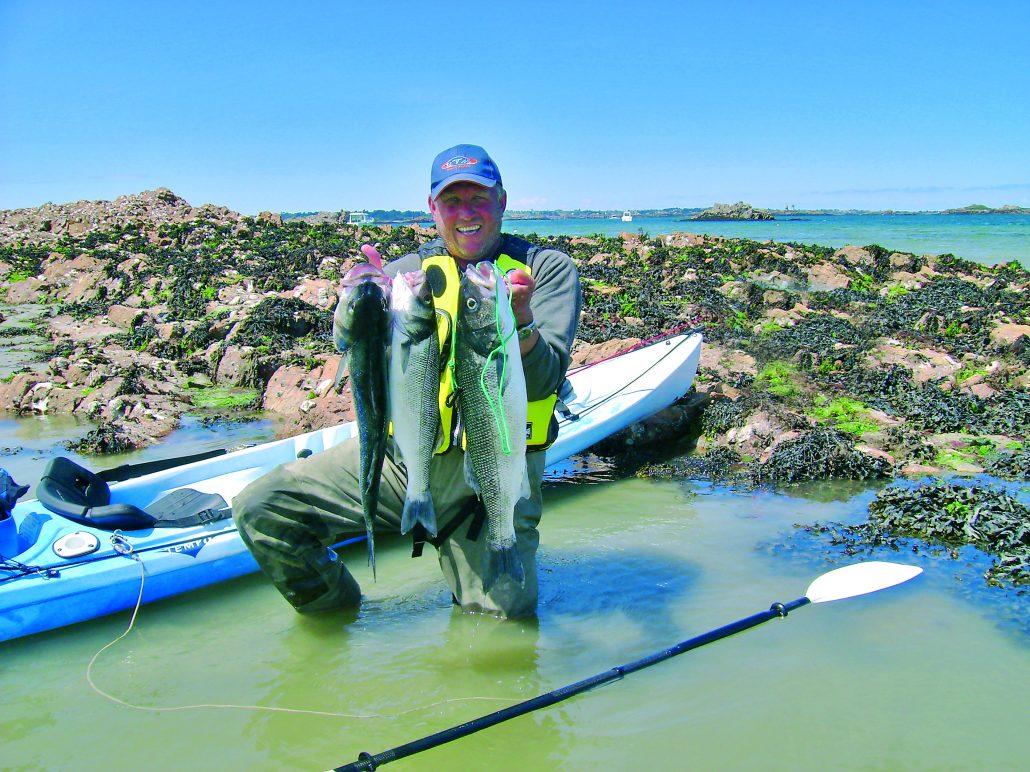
359, 218
627, 217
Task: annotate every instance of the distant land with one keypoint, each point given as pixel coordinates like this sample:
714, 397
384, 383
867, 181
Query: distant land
981, 209
387, 216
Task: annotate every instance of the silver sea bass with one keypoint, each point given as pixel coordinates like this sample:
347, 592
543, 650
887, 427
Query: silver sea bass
414, 392
362, 327
492, 401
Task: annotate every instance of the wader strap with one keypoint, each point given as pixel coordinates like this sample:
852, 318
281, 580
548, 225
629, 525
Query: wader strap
565, 395
418, 540
565, 411
472, 507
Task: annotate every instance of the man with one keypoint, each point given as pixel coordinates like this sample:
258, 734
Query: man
289, 517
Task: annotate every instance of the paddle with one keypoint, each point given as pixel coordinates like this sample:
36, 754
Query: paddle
846, 582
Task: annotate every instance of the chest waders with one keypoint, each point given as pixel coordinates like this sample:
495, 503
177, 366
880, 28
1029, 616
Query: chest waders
541, 424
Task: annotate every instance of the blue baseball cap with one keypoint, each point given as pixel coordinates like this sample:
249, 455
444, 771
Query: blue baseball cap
463, 163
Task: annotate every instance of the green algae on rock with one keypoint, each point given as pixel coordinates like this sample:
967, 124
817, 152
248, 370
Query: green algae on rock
224, 398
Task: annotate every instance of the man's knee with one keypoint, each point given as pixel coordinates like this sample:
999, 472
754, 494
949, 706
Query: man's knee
270, 514
250, 504
329, 587
274, 507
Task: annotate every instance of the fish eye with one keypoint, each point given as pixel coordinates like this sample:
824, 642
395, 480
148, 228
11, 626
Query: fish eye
471, 304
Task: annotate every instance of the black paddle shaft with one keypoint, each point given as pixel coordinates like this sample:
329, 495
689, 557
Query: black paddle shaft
367, 762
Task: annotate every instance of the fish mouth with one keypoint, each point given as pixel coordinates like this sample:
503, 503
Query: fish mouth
411, 289
482, 275
415, 280
364, 272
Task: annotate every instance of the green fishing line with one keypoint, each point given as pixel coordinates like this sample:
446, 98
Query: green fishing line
497, 408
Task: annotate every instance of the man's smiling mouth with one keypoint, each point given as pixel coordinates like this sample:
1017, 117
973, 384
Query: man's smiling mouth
467, 229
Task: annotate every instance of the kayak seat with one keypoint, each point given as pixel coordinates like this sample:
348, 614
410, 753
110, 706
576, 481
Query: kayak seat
84, 497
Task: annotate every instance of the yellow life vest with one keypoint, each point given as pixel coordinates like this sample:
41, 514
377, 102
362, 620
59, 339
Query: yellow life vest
541, 423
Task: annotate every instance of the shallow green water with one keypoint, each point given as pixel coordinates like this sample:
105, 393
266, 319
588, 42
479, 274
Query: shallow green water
923, 676
22, 345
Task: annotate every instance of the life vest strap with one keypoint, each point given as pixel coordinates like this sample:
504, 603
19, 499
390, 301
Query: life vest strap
472, 507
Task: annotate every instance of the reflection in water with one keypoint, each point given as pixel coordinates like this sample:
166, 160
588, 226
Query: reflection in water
582, 469
830, 491
297, 673
959, 572
641, 587
391, 676
417, 673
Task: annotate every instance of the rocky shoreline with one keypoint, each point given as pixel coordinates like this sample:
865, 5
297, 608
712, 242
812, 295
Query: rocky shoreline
855, 362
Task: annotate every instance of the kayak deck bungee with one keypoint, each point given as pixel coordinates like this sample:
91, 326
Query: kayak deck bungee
56, 571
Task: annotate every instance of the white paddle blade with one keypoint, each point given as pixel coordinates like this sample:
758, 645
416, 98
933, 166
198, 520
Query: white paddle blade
859, 579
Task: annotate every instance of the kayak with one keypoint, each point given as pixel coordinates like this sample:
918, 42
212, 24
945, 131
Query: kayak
84, 547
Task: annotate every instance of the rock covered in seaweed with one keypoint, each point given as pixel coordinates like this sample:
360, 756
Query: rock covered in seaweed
947, 515
737, 211
176, 308
920, 361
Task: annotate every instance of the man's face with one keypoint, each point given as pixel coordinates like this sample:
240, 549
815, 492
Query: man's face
468, 218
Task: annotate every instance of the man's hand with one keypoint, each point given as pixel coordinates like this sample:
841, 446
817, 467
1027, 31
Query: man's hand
521, 286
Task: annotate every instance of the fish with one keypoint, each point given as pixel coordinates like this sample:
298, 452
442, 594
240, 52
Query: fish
362, 330
491, 398
414, 392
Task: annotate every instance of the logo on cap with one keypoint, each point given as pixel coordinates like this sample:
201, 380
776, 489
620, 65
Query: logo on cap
458, 162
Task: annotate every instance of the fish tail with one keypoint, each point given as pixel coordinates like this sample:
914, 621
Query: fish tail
419, 511
370, 506
370, 531
503, 561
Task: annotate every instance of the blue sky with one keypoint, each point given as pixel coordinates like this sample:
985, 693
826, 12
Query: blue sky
342, 105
